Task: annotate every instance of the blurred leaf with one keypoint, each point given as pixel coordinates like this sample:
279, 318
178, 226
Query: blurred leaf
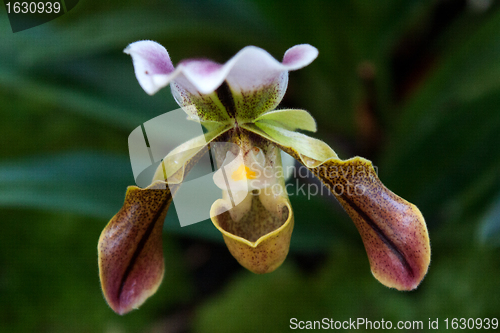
343, 289
50, 277
489, 229
69, 99
347, 34
440, 150
465, 73
92, 184
259, 303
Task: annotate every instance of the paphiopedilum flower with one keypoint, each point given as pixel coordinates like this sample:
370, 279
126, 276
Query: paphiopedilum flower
236, 103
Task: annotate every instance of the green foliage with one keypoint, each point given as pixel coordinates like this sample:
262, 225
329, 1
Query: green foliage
458, 286
413, 85
50, 282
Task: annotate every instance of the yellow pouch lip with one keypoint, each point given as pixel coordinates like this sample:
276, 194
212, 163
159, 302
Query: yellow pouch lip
261, 238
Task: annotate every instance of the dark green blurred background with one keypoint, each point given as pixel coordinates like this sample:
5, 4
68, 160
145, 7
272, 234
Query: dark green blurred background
412, 85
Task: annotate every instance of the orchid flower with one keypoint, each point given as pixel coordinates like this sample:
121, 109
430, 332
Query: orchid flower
236, 103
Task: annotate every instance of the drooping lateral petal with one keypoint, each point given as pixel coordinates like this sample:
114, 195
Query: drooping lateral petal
393, 230
130, 249
289, 119
150, 60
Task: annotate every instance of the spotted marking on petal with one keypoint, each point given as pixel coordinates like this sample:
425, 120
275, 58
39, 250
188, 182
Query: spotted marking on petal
393, 230
252, 103
130, 250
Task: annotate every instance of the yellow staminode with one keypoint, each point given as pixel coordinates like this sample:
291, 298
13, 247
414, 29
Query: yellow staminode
243, 172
